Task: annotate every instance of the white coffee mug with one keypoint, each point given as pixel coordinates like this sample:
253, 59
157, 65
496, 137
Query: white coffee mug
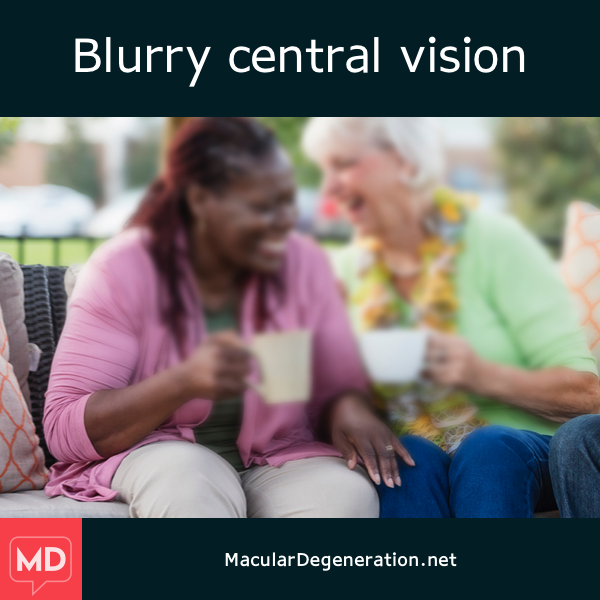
285, 367
394, 357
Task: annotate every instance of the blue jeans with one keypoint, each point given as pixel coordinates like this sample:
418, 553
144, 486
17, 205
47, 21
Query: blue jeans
498, 473
575, 466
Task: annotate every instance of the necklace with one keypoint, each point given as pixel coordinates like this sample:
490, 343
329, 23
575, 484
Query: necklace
412, 269
443, 416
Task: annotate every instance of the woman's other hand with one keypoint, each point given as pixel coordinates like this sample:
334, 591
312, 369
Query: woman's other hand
219, 369
452, 362
358, 433
557, 394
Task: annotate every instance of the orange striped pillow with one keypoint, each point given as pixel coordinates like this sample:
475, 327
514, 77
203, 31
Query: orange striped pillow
21, 459
581, 267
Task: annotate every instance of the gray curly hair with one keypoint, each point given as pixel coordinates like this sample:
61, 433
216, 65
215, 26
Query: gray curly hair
417, 140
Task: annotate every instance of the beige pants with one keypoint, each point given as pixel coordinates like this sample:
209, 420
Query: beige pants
183, 480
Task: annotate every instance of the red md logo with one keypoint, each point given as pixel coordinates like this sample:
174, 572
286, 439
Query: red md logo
41, 560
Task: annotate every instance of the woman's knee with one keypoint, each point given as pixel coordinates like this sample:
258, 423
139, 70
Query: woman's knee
319, 488
174, 463
489, 438
426, 454
485, 448
577, 438
354, 493
425, 489
179, 480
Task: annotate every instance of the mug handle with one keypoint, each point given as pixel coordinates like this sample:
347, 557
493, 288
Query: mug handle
258, 388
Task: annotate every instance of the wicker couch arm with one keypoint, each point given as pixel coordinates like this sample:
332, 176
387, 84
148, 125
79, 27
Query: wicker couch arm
45, 313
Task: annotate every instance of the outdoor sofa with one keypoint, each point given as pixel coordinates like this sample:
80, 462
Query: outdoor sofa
45, 313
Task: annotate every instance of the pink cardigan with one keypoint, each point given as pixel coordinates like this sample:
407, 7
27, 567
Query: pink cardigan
114, 337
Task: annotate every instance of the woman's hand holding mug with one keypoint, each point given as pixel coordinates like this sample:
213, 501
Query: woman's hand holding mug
451, 362
219, 369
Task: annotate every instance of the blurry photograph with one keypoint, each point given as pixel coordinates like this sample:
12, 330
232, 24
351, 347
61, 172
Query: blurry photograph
300, 317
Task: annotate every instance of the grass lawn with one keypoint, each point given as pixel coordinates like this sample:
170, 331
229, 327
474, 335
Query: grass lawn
73, 251
42, 252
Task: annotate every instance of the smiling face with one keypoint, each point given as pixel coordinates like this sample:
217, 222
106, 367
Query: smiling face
367, 182
248, 224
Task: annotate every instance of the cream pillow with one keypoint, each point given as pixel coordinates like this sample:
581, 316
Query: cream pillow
71, 277
581, 268
12, 301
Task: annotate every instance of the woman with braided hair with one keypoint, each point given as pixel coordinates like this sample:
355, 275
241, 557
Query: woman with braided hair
149, 400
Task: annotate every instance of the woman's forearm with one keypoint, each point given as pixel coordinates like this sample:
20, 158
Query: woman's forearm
557, 394
117, 420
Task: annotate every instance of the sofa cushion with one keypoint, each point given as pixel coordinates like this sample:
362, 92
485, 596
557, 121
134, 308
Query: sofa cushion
71, 277
581, 268
22, 460
36, 505
12, 302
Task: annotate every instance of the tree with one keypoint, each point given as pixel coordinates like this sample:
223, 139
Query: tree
9, 123
74, 163
547, 163
143, 160
289, 132
8, 127
7, 139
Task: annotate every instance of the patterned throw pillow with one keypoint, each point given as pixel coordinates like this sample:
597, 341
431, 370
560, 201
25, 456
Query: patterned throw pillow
21, 459
581, 268
12, 301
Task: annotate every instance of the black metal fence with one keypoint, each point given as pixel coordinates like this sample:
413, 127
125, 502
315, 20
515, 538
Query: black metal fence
54, 254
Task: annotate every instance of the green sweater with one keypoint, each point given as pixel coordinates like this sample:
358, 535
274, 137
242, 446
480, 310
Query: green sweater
514, 308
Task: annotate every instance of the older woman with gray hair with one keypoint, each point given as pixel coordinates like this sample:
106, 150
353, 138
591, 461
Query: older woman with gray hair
506, 361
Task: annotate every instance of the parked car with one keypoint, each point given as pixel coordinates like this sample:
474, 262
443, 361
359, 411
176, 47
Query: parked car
307, 201
329, 222
44, 211
321, 217
111, 220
